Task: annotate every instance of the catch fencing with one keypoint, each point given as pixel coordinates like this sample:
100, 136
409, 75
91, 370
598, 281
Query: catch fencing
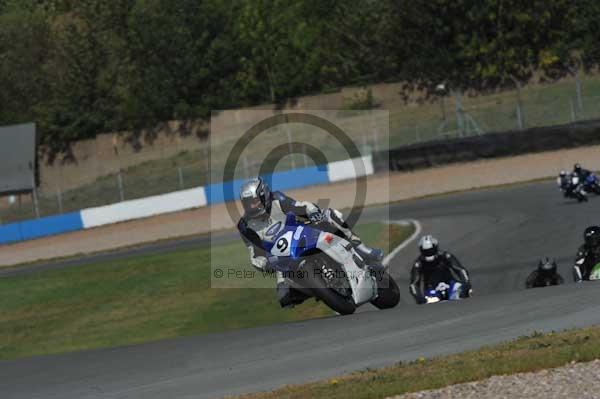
163, 168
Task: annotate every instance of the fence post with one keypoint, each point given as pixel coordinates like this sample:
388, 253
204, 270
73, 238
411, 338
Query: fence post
246, 171
36, 205
578, 90
120, 185
59, 199
207, 175
459, 116
180, 176
289, 134
375, 131
519, 117
304, 156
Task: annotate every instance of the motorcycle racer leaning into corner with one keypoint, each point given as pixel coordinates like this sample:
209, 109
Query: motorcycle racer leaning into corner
564, 182
581, 172
265, 213
544, 275
433, 267
588, 254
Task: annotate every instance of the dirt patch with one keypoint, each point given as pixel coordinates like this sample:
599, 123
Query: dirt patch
380, 189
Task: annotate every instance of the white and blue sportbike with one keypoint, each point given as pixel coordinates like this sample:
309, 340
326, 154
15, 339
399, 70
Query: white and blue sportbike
326, 266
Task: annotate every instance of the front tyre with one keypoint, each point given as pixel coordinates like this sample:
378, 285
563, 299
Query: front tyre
330, 297
388, 292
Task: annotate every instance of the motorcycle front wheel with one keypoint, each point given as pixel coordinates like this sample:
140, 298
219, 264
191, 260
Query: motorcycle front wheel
388, 292
315, 282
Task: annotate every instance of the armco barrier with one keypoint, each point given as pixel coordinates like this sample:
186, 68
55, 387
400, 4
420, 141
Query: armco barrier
173, 202
489, 145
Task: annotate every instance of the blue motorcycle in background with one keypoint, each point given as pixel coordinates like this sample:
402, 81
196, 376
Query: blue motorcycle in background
450, 291
326, 266
592, 184
572, 187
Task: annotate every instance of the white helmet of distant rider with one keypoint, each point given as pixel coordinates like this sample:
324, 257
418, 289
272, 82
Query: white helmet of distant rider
428, 245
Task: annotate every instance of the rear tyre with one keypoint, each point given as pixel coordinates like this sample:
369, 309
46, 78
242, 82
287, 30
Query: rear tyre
388, 292
331, 298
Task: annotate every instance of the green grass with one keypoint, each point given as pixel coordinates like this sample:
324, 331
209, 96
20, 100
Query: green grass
142, 299
526, 354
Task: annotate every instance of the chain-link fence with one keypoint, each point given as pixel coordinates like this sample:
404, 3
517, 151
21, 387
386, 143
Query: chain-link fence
160, 170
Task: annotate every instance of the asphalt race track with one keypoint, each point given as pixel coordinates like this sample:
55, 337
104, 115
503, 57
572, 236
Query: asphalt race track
498, 234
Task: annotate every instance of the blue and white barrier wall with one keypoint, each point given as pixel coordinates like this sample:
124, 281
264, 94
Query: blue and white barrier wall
175, 201
30, 229
143, 207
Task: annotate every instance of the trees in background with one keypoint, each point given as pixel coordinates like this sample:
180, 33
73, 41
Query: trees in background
82, 67
480, 45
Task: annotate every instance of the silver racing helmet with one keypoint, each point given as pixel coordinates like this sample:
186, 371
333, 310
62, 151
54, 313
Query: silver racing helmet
255, 195
428, 246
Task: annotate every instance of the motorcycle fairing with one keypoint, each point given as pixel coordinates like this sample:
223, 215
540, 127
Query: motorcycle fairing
363, 284
296, 239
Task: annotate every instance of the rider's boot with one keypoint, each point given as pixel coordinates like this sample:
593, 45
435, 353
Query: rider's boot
374, 254
287, 296
335, 218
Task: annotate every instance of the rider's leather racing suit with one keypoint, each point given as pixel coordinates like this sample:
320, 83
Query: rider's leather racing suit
255, 231
428, 274
540, 279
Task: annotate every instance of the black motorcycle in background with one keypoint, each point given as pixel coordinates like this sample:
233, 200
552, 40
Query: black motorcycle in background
592, 184
572, 187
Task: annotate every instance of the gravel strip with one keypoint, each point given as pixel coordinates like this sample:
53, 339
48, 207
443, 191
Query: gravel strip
575, 380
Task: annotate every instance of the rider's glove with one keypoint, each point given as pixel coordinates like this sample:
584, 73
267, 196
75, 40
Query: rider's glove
264, 264
316, 216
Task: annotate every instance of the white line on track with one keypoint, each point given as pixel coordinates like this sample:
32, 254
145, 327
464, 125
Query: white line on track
386, 261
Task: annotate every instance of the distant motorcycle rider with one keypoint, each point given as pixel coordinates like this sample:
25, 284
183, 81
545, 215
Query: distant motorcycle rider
588, 254
433, 267
572, 186
581, 172
264, 216
545, 275
564, 182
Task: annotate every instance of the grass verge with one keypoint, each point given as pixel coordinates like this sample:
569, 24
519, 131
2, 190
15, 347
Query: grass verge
525, 354
143, 299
